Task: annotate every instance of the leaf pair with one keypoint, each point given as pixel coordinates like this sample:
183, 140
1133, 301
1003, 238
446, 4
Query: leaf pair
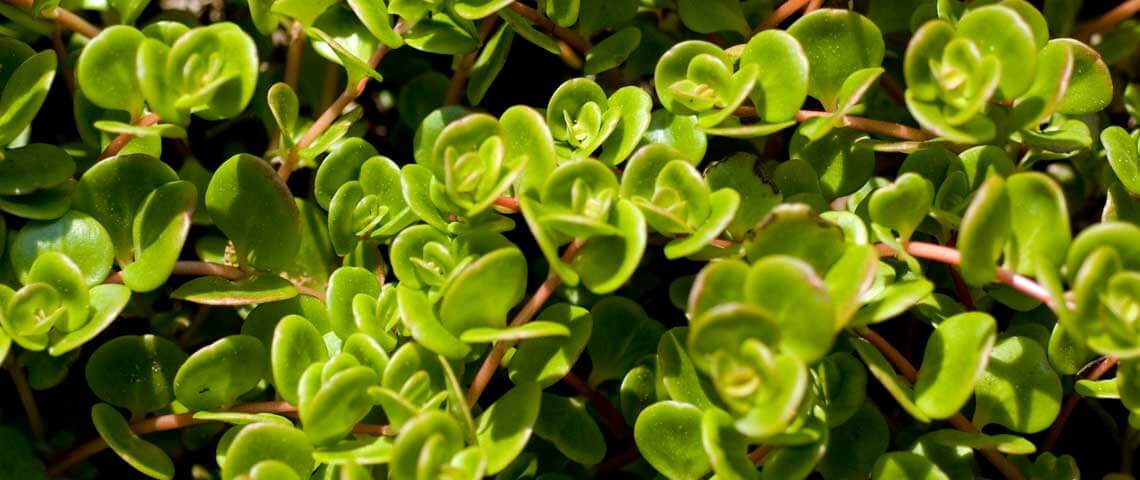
583, 120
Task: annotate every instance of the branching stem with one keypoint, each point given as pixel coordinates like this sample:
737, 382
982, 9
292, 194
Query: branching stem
323, 122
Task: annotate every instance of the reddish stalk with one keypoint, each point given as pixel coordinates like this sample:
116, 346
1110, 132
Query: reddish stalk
958, 421
508, 203
607, 410
780, 14
1102, 367
293, 55
813, 6
463, 68
349, 95
525, 314
951, 256
65, 18
123, 139
1119, 14
889, 129
27, 398
189, 267
757, 455
182, 420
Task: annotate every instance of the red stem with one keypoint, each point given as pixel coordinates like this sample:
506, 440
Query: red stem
951, 256
123, 139
780, 14
525, 314
1102, 367
189, 267
609, 413
1108, 20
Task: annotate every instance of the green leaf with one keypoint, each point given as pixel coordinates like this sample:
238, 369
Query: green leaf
906, 465
215, 375
565, 423
432, 436
546, 360
296, 344
24, 93
793, 229
1039, 223
1014, 47
505, 427
1120, 148
712, 16
18, 457
106, 302
114, 192
842, 383
220, 291
854, 446
985, 228
837, 43
106, 70
530, 330
443, 34
221, 88
1011, 444
622, 334
489, 63
284, 106
1090, 88
676, 371
902, 205
1019, 389
341, 402
483, 292
783, 83
268, 240
956, 355
344, 285
135, 372
896, 386
159, 233
802, 310
668, 435
144, 456
33, 167
268, 441
613, 51
128, 10
418, 315
374, 16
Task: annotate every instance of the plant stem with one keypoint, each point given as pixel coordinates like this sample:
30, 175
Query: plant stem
182, 420
813, 6
757, 455
27, 398
780, 14
951, 256
904, 367
293, 55
580, 43
350, 94
1103, 365
190, 267
889, 129
525, 314
607, 410
64, 18
123, 139
1119, 14
463, 68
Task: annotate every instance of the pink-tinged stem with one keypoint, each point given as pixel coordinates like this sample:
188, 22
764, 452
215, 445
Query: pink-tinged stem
196, 268
123, 139
525, 314
1119, 14
951, 256
780, 14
